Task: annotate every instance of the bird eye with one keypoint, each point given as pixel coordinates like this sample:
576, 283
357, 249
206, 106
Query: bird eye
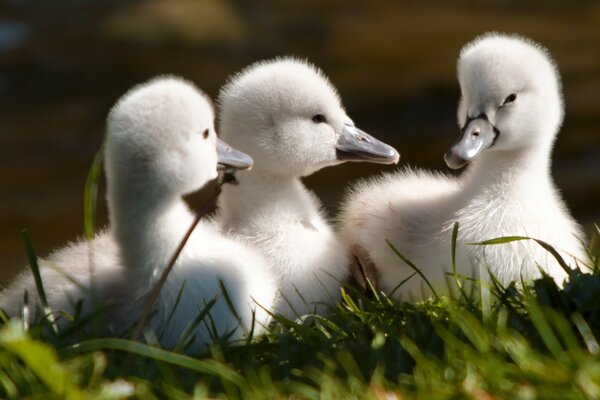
512, 97
319, 119
205, 134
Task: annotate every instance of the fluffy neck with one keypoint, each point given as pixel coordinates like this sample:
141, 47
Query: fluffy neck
503, 191
259, 192
514, 173
148, 226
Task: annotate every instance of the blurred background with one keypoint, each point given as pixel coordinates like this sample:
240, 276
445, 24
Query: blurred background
64, 63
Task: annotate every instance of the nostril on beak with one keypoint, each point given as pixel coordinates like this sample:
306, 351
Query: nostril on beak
475, 133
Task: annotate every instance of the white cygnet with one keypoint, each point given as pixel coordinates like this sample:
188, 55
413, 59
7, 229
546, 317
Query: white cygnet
160, 145
509, 114
288, 117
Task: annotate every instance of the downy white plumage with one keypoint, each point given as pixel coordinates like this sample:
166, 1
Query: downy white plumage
288, 117
509, 114
160, 145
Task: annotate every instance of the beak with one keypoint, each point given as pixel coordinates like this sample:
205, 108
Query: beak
230, 158
357, 145
477, 135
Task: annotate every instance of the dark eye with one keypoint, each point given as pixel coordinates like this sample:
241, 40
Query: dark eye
205, 134
512, 97
319, 119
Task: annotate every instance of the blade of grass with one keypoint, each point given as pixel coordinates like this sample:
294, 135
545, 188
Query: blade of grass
229, 301
187, 336
586, 333
500, 240
373, 290
25, 311
35, 269
548, 247
413, 266
176, 304
457, 281
163, 278
543, 327
80, 321
595, 252
202, 366
3, 317
90, 200
41, 359
402, 283
218, 356
349, 302
454, 237
37, 276
250, 335
90, 195
288, 302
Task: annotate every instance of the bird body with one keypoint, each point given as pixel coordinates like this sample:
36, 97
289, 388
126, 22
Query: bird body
289, 118
307, 258
509, 114
160, 145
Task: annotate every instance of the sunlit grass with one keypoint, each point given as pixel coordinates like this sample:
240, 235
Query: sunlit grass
540, 341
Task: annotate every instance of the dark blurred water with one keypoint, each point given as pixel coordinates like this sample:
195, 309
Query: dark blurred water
63, 63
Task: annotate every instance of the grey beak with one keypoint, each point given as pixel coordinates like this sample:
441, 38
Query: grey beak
477, 135
357, 145
228, 157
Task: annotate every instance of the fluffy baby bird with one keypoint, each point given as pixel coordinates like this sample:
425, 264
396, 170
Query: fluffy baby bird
286, 114
161, 144
509, 114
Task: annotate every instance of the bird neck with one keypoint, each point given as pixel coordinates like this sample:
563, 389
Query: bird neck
148, 225
510, 173
260, 191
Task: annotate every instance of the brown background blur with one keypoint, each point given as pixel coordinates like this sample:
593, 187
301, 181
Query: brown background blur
63, 64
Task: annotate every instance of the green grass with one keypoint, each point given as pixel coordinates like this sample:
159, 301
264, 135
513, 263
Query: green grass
536, 341
540, 341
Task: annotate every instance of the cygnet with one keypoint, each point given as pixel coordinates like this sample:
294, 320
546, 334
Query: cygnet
509, 114
287, 115
160, 145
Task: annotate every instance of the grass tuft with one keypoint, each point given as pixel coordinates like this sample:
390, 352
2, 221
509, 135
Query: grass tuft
539, 342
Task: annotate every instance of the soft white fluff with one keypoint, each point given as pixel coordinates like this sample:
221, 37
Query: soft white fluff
160, 145
66, 278
266, 111
506, 191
